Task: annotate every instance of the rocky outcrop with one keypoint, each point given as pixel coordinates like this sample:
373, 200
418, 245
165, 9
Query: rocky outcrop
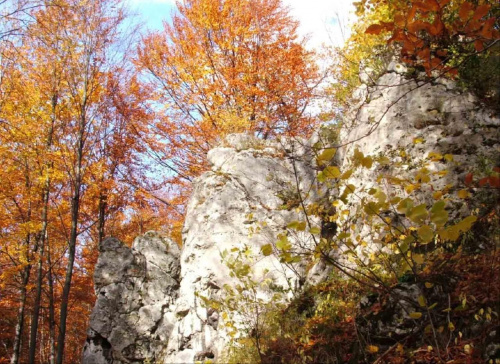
136, 289
150, 298
405, 119
414, 127
246, 200
146, 310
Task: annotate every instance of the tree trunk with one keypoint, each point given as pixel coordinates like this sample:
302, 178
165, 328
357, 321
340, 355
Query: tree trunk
22, 304
75, 210
103, 203
52, 317
42, 237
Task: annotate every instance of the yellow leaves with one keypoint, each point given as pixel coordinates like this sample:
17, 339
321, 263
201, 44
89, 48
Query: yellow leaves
442, 173
415, 315
422, 301
347, 174
437, 195
452, 233
266, 250
435, 156
360, 159
329, 172
367, 162
409, 188
372, 349
371, 208
418, 140
422, 176
463, 194
326, 156
425, 234
418, 258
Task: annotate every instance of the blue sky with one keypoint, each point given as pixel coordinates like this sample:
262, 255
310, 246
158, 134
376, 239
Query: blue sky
152, 12
321, 19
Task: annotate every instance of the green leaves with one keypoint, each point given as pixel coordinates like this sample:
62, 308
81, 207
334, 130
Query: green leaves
439, 216
422, 301
283, 243
315, 230
416, 315
425, 234
297, 225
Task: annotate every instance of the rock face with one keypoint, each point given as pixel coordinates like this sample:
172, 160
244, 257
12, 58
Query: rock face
145, 310
406, 119
419, 127
251, 188
135, 289
149, 306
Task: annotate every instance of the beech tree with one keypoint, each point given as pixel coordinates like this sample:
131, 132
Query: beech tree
226, 66
72, 120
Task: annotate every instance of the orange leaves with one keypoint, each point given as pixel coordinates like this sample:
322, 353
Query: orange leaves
481, 11
374, 29
425, 30
465, 11
233, 66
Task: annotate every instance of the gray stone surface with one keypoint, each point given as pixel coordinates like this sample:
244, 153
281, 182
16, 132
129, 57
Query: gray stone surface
136, 289
405, 119
246, 192
148, 297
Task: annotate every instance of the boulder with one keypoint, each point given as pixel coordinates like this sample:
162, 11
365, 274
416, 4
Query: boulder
135, 289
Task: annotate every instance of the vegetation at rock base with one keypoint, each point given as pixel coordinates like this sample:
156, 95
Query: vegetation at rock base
433, 298
102, 133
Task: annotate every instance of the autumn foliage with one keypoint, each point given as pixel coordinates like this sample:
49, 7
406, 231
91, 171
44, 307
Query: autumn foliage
222, 67
432, 33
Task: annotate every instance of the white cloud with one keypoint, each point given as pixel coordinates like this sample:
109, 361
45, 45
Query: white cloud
326, 21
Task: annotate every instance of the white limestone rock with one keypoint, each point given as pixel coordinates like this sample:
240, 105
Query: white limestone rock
135, 290
245, 189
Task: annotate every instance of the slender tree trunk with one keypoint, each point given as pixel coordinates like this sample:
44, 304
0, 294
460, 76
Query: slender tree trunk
75, 210
38, 297
103, 203
42, 237
52, 317
22, 304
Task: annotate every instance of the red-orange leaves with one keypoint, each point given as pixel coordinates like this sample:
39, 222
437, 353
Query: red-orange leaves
374, 29
426, 30
481, 11
465, 11
468, 179
233, 66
